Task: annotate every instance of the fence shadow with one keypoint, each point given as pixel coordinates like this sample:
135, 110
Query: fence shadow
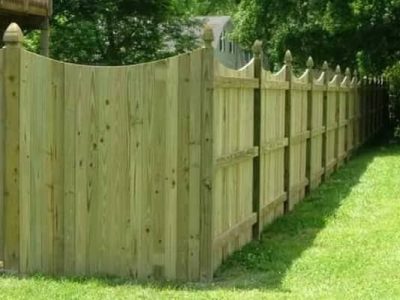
264, 264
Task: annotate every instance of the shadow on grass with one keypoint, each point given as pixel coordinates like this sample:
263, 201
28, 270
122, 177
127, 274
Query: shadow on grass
263, 264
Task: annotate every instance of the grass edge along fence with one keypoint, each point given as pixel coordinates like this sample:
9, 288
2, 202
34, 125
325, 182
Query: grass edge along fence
162, 170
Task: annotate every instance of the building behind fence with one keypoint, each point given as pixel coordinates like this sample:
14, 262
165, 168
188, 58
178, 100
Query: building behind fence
162, 170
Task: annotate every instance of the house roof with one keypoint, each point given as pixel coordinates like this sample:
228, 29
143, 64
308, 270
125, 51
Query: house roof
217, 23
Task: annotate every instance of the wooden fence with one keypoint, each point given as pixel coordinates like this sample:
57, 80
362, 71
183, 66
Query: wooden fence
162, 170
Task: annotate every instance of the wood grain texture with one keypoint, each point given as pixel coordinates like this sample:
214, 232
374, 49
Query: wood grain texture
298, 135
2, 152
12, 94
317, 129
162, 170
233, 158
273, 143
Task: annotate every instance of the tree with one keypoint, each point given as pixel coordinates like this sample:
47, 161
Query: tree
342, 32
206, 7
117, 32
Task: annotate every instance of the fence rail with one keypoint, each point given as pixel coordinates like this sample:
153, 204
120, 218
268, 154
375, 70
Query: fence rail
162, 170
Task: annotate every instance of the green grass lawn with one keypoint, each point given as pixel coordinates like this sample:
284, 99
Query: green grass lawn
343, 242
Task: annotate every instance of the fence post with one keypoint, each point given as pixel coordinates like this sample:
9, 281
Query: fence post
338, 73
347, 73
12, 39
382, 94
288, 132
325, 68
385, 96
363, 108
370, 117
356, 131
372, 107
310, 117
257, 53
379, 100
206, 167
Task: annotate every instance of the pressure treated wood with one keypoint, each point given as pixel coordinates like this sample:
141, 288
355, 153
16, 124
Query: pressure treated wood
2, 152
331, 126
298, 136
110, 160
317, 130
233, 154
162, 170
273, 143
11, 201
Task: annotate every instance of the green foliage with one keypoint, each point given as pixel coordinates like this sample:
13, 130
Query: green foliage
393, 74
341, 32
117, 32
206, 7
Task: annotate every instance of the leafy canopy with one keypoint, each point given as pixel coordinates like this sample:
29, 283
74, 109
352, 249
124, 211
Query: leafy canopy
115, 32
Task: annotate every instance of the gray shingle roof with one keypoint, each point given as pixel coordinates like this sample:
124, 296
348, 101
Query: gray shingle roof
217, 23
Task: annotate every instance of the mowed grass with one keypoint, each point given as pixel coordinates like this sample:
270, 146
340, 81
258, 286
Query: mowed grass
342, 242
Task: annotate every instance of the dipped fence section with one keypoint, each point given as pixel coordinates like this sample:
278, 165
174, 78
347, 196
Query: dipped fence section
162, 170
234, 150
103, 166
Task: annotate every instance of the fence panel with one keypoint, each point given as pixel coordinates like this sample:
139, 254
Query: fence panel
41, 157
298, 136
356, 88
370, 109
331, 126
109, 160
342, 121
317, 130
273, 142
163, 169
234, 152
350, 142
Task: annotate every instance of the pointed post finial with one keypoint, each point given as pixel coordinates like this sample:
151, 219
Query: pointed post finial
13, 35
355, 74
338, 70
310, 63
348, 72
288, 58
257, 48
208, 36
325, 66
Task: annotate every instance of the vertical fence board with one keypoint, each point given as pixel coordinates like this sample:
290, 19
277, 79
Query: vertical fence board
12, 80
194, 166
207, 168
2, 149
